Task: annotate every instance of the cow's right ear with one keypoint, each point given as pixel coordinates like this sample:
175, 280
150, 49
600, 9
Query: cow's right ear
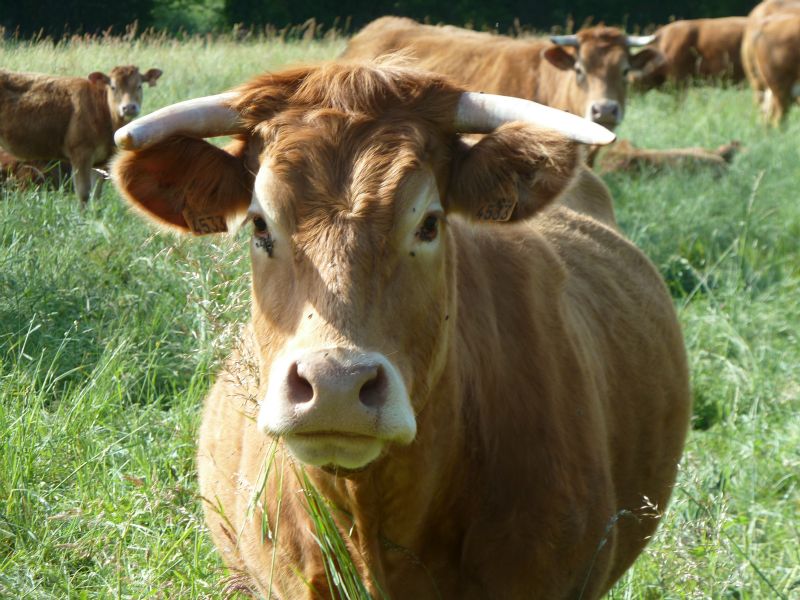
559, 57
511, 173
98, 77
186, 184
152, 76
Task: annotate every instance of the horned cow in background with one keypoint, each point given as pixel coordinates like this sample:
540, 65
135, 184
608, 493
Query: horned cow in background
584, 74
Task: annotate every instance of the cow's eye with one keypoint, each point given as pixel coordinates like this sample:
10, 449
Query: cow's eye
260, 225
429, 229
625, 71
113, 88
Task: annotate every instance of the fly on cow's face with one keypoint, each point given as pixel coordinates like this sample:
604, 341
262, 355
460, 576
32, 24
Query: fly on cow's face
263, 237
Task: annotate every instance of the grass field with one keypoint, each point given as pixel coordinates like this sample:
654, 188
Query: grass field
110, 335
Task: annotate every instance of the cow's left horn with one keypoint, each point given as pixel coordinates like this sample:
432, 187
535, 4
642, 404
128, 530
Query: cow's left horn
639, 40
483, 113
565, 40
209, 116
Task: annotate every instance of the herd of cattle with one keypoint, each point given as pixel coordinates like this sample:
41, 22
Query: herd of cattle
47, 118
448, 332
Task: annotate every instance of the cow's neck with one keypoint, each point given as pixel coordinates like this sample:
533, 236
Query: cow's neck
116, 122
106, 120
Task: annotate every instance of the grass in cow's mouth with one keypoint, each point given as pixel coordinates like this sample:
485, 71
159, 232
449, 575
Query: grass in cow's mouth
110, 336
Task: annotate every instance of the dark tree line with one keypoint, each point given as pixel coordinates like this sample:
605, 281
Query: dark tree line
59, 17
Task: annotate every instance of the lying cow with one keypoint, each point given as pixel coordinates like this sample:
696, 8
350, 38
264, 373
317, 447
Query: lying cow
486, 391
697, 49
583, 73
32, 173
44, 117
624, 156
771, 56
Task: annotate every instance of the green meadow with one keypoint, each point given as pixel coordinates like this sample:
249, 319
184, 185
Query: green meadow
110, 335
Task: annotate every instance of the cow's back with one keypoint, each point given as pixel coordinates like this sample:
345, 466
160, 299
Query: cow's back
35, 114
479, 61
703, 47
624, 318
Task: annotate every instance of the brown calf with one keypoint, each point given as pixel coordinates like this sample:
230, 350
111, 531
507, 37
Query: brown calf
488, 405
583, 74
44, 117
695, 49
771, 56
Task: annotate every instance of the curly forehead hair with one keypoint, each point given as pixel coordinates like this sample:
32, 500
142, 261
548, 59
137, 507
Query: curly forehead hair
358, 89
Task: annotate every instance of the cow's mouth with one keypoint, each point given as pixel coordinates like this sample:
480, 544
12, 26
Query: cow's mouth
609, 123
343, 452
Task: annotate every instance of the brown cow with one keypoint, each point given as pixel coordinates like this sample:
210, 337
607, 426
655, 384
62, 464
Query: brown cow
771, 56
45, 117
488, 406
695, 49
583, 74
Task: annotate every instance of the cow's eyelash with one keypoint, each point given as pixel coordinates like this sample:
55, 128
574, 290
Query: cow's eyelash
262, 235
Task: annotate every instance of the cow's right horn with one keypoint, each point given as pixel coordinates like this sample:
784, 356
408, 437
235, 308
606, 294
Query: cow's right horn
209, 116
633, 41
483, 113
565, 40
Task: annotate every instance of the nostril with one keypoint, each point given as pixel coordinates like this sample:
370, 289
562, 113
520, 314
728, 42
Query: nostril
373, 392
298, 387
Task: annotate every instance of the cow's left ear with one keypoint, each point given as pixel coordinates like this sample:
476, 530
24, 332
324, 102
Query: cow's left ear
647, 60
512, 173
98, 77
151, 76
186, 184
559, 57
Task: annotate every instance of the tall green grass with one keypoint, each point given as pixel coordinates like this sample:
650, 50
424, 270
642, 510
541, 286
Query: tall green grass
110, 334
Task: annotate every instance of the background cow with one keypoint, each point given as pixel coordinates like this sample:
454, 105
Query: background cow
487, 404
583, 74
44, 117
771, 56
695, 49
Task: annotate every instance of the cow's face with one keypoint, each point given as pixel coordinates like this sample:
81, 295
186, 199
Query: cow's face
124, 89
600, 61
351, 248
349, 283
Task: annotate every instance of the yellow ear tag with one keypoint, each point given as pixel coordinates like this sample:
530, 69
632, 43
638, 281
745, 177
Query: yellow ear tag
204, 224
499, 210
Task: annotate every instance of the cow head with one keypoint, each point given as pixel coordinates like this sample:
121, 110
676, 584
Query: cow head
124, 90
600, 58
350, 178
